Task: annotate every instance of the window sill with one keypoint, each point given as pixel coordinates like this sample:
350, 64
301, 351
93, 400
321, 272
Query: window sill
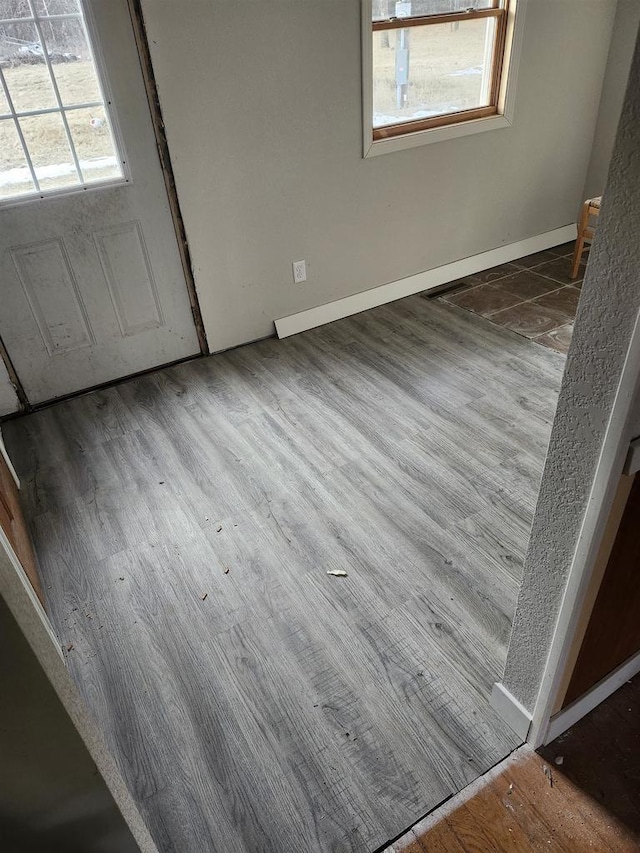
64, 192
434, 134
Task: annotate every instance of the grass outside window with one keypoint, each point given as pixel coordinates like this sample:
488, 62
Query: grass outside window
435, 62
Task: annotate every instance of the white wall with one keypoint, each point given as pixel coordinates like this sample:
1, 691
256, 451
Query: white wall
623, 39
262, 105
608, 310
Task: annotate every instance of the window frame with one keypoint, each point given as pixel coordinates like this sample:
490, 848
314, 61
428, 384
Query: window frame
499, 114
61, 109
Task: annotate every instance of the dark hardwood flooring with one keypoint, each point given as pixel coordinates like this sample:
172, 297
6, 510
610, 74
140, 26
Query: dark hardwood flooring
581, 793
185, 522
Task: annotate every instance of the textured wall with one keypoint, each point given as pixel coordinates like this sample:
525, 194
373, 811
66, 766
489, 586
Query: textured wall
606, 317
623, 39
262, 105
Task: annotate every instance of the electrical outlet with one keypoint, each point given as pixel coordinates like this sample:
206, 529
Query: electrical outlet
299, 271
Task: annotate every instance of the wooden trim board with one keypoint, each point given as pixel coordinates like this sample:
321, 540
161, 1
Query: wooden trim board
23, 402
570, 715
391, 131
427, 280
444, 18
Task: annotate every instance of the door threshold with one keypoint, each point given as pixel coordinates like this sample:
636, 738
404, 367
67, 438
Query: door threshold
29, 408
410, 835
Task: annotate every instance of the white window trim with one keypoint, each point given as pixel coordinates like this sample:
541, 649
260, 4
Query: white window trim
506, 99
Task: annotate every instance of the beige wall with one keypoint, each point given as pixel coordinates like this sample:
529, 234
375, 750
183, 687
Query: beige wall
262, 105
623, 40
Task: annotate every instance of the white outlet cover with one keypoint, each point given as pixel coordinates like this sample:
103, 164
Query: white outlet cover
299, 271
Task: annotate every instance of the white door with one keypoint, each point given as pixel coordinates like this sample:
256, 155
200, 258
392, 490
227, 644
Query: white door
91, 283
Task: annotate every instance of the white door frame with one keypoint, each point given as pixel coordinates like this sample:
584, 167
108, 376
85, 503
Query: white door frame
609, 469
155, 110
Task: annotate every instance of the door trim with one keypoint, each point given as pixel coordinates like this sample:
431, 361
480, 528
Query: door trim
603, 490
567, 717
45, 404
142, 44
23, 401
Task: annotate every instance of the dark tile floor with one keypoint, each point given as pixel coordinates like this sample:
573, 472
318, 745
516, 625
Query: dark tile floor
532, 296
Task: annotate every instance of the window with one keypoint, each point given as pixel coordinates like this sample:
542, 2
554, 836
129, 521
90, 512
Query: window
55, 131
433, 64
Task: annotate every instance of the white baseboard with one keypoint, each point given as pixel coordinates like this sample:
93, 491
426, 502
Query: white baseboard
569, 716
512, 712
427, 280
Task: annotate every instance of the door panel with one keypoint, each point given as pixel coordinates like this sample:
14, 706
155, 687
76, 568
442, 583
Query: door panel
52, 293
132, 288
92, 282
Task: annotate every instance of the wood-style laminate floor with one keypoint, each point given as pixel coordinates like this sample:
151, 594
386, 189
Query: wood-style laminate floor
185, 523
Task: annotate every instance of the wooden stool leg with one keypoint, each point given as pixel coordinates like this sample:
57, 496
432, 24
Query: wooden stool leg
579, 249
